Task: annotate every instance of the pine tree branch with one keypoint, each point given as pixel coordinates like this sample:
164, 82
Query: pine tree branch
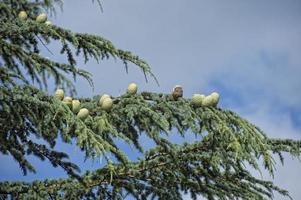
186, 170
201, 168
29, 33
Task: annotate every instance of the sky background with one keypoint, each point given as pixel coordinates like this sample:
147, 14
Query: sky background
247, 50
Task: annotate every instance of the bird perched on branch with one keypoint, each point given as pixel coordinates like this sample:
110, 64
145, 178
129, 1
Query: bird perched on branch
177, 92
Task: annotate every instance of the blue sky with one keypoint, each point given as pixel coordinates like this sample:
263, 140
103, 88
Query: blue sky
247, 50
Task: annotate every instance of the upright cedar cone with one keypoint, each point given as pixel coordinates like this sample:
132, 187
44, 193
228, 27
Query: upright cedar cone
177, 92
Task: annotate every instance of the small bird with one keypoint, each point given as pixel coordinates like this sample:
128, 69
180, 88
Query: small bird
177, 92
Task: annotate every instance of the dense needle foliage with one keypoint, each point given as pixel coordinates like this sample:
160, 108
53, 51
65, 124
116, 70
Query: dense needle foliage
215, 167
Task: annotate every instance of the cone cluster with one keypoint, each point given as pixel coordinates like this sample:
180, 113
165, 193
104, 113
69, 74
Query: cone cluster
106, 102
206, 101
73, 104
41, 18
197, 100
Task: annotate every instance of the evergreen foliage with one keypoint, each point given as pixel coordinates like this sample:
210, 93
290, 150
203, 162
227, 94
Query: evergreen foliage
216, 167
